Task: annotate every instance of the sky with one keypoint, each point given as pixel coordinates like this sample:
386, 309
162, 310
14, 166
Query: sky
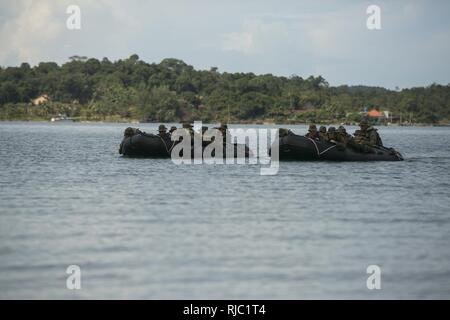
301, 37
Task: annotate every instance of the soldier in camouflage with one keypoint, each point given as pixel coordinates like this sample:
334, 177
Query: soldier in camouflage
367, 136
331, 135
312, 132
172, 129
162, 132
323, 133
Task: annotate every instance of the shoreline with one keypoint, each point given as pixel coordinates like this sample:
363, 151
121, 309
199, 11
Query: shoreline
258, 122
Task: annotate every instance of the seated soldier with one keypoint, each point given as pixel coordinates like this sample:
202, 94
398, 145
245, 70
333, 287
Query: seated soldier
162, 132
357, 135
366, 138
369, 134
331, 135
282, 132
312, 132
172, 129
323, 133
342, 138
129, 132
346, 140
359, 143
184, 126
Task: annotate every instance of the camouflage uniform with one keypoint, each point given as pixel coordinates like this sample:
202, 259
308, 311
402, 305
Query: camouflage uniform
365, 138
342, 137
162, 132
323, 133
346, 140
282, 132
372, 137
172, 129
312, 132
331, 135
368, 135
131, 132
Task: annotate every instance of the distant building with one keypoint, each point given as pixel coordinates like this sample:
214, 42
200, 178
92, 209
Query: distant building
40, 100
375, 114
378, 116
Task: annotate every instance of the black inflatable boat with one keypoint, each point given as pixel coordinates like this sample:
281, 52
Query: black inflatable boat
153, 146
145, 145
295, 147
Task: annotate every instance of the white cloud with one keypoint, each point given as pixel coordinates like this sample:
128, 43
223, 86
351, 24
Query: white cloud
24, 37
238, 41
256, 37
302, 37
36, 31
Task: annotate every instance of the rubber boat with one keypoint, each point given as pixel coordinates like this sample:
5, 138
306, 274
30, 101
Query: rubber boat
295, 147
153, 146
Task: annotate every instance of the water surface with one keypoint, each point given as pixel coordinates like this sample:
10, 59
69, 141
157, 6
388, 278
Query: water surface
146, 228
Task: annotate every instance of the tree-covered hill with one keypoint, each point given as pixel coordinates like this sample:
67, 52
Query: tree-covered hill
173, 90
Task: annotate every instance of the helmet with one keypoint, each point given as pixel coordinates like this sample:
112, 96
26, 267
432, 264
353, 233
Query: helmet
129, 132
282, 132
312, 127
162, 127
341, 129
331, 129
323, 129
172, 129
364, 122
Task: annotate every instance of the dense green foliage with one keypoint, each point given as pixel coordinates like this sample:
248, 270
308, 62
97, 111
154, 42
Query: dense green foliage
174, 91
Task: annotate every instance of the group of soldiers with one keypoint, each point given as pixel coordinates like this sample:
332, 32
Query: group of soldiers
166, 134
363, 140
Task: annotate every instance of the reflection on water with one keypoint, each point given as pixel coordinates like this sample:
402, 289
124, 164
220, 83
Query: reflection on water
143, 228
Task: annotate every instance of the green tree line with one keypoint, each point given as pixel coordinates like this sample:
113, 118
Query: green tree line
174, 91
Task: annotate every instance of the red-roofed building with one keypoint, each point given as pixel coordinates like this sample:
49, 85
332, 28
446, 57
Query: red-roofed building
375, 114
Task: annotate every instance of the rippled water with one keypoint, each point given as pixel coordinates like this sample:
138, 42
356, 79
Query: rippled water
143, 228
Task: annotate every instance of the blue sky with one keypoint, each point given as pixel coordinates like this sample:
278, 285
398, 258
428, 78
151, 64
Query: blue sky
327, 38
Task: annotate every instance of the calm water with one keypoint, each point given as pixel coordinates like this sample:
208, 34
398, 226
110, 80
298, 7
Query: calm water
142, 228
